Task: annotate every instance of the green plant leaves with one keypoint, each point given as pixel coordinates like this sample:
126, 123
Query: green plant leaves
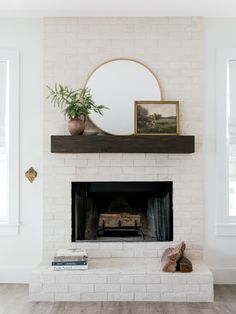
74, 103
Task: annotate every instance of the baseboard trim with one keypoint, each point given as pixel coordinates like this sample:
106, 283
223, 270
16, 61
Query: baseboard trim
224, 275
15, 275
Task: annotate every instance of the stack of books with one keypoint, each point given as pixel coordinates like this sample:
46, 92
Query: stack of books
70, 259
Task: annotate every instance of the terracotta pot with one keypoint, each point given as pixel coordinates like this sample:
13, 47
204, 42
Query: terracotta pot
76, 126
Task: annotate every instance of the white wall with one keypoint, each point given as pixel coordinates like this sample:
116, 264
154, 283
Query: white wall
19, 254
220, 251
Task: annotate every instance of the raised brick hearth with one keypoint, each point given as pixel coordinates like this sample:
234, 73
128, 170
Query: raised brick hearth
122, 279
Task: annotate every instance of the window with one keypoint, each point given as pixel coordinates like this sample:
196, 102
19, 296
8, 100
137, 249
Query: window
9, 142
231, 105
3, 142
226, 141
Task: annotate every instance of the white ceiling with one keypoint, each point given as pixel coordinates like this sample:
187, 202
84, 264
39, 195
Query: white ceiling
40, 8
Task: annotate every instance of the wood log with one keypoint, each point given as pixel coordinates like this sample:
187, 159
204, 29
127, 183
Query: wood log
171, 256
185, 265
178, 252
168, 265
119, 220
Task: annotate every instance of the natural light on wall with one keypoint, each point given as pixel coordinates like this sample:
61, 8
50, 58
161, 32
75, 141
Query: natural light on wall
232, 135
4, 92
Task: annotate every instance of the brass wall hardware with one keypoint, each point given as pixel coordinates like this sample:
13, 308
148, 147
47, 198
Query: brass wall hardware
31, 174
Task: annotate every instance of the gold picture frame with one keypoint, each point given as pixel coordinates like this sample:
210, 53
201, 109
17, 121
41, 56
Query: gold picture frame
149, 124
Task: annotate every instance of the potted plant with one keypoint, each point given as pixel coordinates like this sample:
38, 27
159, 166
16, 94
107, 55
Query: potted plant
75, 104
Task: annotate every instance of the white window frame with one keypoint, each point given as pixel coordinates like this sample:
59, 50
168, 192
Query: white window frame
225, 224
11, 56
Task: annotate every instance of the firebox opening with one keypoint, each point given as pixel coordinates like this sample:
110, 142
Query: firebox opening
122, 211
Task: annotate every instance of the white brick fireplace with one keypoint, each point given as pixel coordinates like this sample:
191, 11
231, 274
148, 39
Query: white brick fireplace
173, 49
187, 198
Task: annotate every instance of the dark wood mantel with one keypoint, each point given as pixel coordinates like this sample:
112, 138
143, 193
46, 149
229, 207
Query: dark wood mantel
168, 144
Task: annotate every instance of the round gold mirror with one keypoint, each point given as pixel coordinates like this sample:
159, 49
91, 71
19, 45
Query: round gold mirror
117, 84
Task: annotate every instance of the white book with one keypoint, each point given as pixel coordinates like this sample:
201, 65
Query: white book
74, 267
72, 252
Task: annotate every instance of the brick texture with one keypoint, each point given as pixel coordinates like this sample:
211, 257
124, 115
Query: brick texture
117, 280
173, 48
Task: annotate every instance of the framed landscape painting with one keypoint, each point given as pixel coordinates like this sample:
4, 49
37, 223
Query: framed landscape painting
156, 117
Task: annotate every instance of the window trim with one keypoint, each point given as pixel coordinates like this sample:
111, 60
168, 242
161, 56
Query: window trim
11, 227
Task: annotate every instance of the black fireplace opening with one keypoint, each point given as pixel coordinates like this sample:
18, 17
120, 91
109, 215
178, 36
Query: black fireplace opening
122, 211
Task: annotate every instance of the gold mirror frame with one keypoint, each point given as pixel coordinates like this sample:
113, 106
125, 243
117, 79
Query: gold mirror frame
118, 59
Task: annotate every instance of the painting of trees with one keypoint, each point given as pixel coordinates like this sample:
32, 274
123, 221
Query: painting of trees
156, 119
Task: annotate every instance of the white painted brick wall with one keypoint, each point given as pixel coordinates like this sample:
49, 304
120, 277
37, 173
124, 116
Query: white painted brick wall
172, 48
